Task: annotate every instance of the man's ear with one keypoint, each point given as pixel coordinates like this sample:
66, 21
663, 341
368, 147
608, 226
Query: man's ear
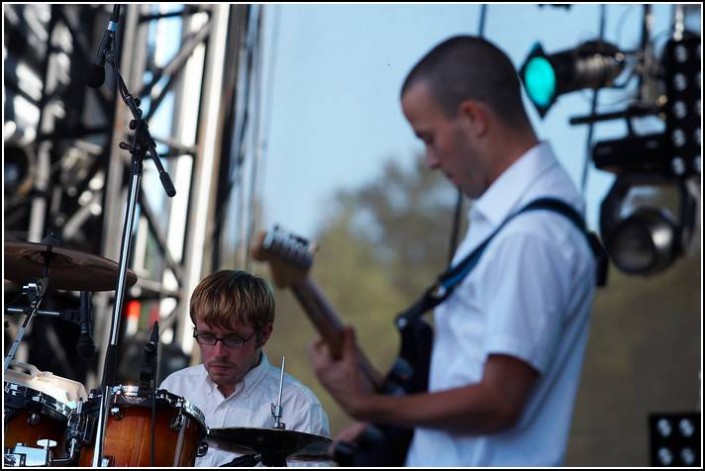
476, 115
264, 335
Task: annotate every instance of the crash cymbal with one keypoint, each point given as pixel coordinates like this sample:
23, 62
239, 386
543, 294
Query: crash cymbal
271, 441
68, 269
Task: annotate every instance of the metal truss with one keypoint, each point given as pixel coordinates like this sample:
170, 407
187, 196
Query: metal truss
183, 63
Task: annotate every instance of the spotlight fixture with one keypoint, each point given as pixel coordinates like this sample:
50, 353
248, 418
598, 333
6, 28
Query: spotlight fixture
593, 64
641, 234
675, 439
682, 65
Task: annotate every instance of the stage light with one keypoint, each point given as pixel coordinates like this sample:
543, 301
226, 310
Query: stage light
682, 65
593, 64
662, 170
646, 221
675, 439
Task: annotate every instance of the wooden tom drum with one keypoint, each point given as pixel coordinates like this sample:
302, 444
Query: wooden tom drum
179, 428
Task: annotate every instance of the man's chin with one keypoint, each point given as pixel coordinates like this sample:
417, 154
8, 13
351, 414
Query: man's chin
219, 372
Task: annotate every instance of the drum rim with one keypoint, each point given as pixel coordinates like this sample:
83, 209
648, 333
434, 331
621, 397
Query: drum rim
123, 393
49, 405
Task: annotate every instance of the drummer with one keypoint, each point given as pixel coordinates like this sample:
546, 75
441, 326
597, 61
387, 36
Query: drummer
233, 315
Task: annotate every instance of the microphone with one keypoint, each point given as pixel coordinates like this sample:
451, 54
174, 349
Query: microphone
95, 77
151, 346
85, 346
149, 361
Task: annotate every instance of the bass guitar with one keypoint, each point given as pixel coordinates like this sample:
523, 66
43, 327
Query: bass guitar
290, 258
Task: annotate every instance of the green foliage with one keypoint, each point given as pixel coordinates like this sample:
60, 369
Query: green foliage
383, 245
387, 241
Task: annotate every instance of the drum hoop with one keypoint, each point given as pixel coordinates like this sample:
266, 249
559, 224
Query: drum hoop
137, 396
48, 405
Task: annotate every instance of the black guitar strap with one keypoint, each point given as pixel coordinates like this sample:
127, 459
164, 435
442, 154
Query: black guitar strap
451, 278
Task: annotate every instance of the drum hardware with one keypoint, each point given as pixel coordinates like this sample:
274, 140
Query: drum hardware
35, 292
202, 449
177, 422
68, 269
141, 144
271, 447
22, 455
39, 409
11, 459
27, 260
81, 317
115, 413
33, 419
126, 440
70, 315
277, 409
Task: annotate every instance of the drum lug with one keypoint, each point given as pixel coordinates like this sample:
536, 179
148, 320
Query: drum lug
177, 422
33, 419
116, 413
14, 460
202, 449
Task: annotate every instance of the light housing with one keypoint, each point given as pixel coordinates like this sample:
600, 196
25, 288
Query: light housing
646, 238
682, 73
593, 64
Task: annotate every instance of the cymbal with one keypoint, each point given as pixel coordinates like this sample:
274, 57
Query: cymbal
68, 269
271, 441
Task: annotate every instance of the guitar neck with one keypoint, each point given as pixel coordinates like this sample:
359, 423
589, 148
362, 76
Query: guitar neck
330, 327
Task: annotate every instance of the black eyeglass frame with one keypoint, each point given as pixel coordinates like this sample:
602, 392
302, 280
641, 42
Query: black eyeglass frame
226, 341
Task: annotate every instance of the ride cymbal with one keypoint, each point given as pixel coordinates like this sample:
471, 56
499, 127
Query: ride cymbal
271, 442
68, 269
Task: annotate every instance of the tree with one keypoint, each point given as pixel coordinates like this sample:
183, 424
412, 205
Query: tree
384, 244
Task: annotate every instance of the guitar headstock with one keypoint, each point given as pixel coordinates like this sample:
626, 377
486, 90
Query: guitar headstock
290, 256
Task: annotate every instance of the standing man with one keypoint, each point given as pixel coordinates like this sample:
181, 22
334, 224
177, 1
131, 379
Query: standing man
235, 386
509, 342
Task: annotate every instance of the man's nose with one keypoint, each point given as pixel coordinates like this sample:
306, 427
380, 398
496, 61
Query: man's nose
219, 349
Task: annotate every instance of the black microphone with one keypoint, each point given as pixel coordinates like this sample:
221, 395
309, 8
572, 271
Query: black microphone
95, 77
151, 346
147, 371
85, 346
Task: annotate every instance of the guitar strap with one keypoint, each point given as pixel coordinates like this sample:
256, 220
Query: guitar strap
451, 278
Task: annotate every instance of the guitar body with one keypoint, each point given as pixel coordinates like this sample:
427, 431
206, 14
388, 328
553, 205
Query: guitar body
290, 259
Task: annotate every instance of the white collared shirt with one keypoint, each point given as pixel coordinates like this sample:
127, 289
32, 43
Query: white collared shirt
249, 406
530, 297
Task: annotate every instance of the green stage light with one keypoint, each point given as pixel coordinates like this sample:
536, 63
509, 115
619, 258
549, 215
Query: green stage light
540, 81
593, 64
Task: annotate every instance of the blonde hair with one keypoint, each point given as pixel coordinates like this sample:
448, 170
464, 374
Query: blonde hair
229, 296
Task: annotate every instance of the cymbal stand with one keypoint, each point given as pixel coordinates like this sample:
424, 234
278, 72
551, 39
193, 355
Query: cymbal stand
35, 292
142, 143
277, 409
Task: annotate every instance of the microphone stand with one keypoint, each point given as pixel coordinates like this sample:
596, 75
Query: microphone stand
148, 375
142, 143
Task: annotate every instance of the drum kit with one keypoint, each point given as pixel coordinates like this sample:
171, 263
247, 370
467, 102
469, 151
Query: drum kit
53, 421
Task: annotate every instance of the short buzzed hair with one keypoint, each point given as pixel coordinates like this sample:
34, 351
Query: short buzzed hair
470, 68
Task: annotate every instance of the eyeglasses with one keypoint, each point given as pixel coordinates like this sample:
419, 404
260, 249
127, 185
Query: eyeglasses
231, 341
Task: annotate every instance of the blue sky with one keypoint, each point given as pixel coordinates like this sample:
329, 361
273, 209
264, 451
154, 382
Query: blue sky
333, 104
